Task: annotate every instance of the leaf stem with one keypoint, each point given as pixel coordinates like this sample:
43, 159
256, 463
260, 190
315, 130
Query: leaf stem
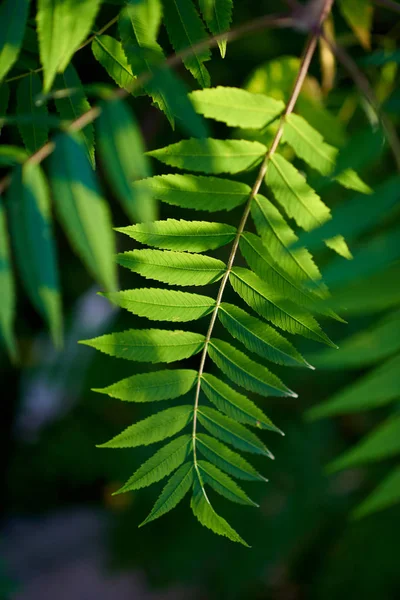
298, 84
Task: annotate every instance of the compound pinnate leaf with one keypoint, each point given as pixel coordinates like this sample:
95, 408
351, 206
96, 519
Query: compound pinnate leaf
222, 483
218, 16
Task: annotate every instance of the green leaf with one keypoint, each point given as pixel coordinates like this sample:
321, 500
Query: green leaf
62, 26
299, 200
83, 211
309, 145
185, 30
75, 105
379, 387
246, 372
278, 237
13, 18
226, 459
193, 236
161, 464
263, 298
7, 286
258, 337
163, 305
218, 16
163, 424
31, 227
236, 107
357, 215
364, 348
231, 432
175, 268
358, 14
207, 516
196, 192
385, 495
382, 443
109, 53
222, 483
154, 386
122, 153
175, 490
211, 156
12, 155
261, 262
34, 133
4, 98
149, 345
235, 405
370, 257
292, 192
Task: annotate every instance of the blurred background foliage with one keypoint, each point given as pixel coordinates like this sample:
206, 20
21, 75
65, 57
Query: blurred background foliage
305, 544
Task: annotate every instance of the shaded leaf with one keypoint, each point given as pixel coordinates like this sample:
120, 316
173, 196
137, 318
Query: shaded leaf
218, 16
109, 53
382, 443
34, 132
386, 494
122, 152
13, 18
83, 211
75, 105
7, 286
31, 228
185, 29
